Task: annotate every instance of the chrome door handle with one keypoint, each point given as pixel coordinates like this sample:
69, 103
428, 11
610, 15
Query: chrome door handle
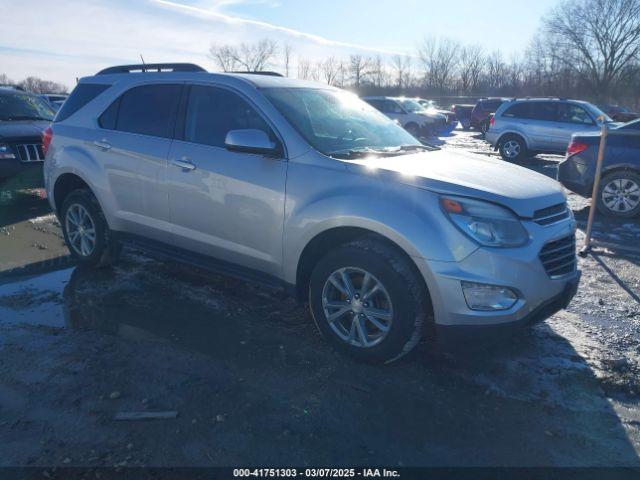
184, 164
102, 144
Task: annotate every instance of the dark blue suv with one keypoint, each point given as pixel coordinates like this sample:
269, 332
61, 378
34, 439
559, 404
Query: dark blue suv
619, 190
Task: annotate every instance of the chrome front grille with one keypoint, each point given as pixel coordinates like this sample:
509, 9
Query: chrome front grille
553, 214
559, 257
30, 152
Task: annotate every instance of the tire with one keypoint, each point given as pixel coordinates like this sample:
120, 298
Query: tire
81, 208
402, 299
413, 129
513, 148
619, 194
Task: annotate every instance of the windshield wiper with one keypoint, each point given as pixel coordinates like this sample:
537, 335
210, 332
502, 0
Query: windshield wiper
356, 152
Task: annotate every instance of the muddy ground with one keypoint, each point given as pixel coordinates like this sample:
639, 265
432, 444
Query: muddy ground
245, 379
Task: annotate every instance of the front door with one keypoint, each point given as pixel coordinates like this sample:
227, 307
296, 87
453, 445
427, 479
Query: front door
228, 205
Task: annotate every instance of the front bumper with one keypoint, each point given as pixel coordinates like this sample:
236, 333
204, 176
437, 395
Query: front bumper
452, 337
520, 269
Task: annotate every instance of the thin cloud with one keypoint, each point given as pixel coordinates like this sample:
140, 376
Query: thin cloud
216, 14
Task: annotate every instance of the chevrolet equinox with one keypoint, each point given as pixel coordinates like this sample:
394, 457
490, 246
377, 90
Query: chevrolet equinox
305, 186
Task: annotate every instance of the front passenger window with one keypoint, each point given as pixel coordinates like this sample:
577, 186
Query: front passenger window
213, 112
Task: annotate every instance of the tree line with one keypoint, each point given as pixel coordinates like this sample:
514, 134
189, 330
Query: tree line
583, 48
34, 84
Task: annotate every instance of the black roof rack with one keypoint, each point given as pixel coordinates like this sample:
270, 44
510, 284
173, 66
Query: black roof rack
269, 74
153, 67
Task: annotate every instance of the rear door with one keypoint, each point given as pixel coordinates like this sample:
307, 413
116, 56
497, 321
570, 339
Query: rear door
226, 204
542, 126
132, 145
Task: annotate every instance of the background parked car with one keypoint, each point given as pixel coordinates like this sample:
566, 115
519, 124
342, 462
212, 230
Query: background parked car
618, 113
480, 114
619, 192
23, 118
55, 100
432, 106
411, 115
463, 114
524, 127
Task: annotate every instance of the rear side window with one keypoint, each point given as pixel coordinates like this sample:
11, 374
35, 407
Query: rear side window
212, 112
146, 110
81, 95
519, 110
545, 111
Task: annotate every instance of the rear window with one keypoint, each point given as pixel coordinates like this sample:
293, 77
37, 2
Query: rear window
491, 105
81, 95
146, 110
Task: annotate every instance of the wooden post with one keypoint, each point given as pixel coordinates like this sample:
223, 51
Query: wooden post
596, 187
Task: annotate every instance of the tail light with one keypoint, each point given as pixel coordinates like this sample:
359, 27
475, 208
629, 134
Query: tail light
47, 136
492, 120
576, 147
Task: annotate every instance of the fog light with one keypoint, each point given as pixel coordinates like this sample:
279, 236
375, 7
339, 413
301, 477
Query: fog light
480, 296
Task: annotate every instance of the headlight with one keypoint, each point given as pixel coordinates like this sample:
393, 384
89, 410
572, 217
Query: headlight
5, 152
488, 224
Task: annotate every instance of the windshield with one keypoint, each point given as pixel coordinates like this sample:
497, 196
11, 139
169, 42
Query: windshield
335, 122
21, 106
411, 106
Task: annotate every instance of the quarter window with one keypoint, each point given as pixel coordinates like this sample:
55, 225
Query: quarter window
519, 110
146, 110
213, 112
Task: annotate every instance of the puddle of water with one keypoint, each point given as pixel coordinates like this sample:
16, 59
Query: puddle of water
142, 302
34, 300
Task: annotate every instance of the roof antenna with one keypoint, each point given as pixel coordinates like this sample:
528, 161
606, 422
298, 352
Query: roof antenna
141, 58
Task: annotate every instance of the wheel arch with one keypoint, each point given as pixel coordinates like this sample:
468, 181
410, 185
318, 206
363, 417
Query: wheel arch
332, 238
512, 133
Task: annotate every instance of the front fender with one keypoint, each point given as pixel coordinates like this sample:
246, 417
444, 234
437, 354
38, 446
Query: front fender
327, 199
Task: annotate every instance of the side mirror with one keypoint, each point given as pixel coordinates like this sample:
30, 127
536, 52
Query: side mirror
250, 141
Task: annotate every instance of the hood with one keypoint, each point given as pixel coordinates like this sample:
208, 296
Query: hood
444, 171
14, 130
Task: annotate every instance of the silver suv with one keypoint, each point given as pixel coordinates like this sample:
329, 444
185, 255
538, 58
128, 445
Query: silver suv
522, 128
307, 187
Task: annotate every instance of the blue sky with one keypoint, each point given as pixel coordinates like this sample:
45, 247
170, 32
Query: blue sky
77, 37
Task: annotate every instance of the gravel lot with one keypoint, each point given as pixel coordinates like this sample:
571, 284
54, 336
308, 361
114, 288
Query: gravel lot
247, 380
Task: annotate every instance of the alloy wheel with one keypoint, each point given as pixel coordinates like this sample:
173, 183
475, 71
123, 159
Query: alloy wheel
511, 149
80, 230
621, 195
357, 307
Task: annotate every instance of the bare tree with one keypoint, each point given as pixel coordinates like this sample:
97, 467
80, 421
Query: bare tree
250, 57
439, 59
225, 57
286, 56
472, 63
304, 69
378, 70
496, 73
38, 85
330, 69
401, 66
359, 68
599, 38
5, 80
